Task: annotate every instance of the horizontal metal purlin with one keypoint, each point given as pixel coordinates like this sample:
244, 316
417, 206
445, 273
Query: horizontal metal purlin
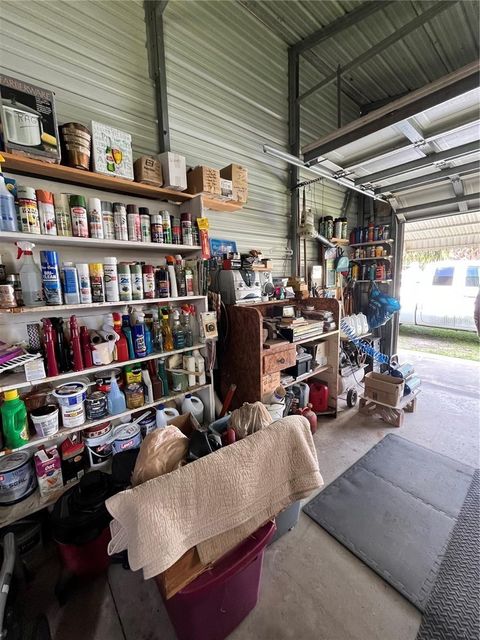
400, 33
420, 217
438, 203
457, 88
443, 174
448, 154
345, 21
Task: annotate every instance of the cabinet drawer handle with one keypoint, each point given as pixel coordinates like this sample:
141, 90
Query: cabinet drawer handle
280, 360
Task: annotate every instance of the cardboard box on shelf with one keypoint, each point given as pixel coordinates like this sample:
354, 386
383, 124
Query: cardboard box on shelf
384, 388
239, 177
148, 170
174, 170
28, 119
204, 180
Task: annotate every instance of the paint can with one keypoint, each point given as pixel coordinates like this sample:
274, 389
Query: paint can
71, 398
126, 436
99, 445
17, 477
96, 405
148, 423
45, 420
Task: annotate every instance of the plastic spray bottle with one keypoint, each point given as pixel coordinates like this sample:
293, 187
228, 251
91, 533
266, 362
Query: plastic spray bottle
115, 398
30, 276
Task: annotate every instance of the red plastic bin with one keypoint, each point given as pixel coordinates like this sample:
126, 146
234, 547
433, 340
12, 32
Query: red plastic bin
215, 603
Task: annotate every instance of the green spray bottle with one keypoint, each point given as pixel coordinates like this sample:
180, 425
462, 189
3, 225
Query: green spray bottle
14, 419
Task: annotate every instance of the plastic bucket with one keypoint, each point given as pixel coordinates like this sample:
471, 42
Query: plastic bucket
71, 398
17, 477
45, 420
149, 423
126, 436
98, 442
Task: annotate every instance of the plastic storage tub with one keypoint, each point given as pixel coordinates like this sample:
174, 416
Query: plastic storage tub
286, 520
215, 603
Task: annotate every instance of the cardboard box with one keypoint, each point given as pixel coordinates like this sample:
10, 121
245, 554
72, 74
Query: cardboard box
239, 177
28, 119
111, 151
204, 180
48, 468
187, 423
384, 388
174, 170
148, 170
226, 190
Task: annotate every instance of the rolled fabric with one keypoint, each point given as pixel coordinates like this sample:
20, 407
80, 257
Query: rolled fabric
95, 337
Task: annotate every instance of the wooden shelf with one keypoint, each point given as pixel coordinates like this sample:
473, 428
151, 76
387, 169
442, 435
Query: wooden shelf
373, 258
342, 241
36, 238
63, 432
319, 336
30, 167
18, 381
307, 375
373, 243
98, 305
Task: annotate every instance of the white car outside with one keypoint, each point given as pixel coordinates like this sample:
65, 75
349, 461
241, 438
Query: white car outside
442, 294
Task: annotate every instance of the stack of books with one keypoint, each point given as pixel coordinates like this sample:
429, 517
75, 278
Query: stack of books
295, 329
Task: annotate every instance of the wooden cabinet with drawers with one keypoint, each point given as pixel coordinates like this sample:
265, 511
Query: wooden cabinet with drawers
256, 367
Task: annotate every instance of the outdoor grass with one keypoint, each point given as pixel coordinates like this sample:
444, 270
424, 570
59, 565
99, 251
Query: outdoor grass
444, 342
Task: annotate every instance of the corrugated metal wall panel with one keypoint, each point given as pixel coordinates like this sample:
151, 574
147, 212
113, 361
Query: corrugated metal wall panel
92, 54
227, 89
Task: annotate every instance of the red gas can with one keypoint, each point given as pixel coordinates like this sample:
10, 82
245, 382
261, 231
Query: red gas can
310, 415
318, 396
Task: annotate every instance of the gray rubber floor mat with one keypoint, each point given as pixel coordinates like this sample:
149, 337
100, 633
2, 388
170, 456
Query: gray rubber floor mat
453, 609
395, 509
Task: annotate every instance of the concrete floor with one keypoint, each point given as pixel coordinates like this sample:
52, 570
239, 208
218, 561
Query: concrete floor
312, 587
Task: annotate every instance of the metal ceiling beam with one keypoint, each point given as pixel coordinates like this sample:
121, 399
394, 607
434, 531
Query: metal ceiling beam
351, 18
459, 191
449, 154
438, 176
451, 86
419, 217
418, 21
430, 138
438, 204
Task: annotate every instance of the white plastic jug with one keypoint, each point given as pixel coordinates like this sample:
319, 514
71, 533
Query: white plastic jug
192, 404
163, 415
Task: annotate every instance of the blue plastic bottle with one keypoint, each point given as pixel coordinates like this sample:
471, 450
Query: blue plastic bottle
115, 398
8, 213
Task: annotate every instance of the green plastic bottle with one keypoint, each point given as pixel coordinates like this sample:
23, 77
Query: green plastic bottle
14, 418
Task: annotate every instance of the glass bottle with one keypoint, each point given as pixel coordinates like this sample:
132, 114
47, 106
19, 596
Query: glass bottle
157, 337
166, 332
187, 327
177, 330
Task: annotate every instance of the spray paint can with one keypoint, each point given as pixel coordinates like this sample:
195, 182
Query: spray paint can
145, 224
71, 288
120, 221
137, 281
107, 220
46, 212
84, 284
157, 228
78, 212
167, 227
62, 214
124, 282
148, 281
27, 207
52, 288
110, 275
95, 223
133, 224
96, 281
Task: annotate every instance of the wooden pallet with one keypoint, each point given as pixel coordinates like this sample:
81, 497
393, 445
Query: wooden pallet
392, 415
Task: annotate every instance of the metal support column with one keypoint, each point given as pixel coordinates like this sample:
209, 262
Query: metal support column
339, 96
294, 148
156, 58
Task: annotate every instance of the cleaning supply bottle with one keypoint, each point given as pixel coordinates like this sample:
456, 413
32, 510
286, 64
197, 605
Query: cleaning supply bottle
121, 346
86, 347
180, 276
49, 342
177, 331
166, 330
171, 276
115, 398
75, 344
8, 213
192, 404
62, 351
14, 420
147, 383
30, 276
71, 289
160, 417
52, 286
162, 374
189, 365
186, 325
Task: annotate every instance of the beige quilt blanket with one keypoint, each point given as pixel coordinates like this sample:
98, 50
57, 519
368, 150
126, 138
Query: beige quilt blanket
216, 501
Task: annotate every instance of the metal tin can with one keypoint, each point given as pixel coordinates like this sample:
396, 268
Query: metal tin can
145, 228
78, 212
120, 221
107, 220
133, 224
95, 223
157, 228
96, 405
7, 296
27, 208
14, 280
134, 395
95, 270
52, 288
137, 281
62, 214
148, 281
46, 212
167, 227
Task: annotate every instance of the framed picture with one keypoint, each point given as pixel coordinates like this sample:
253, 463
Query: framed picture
111, 151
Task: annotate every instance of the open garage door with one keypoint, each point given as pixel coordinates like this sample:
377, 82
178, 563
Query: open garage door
439, 234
